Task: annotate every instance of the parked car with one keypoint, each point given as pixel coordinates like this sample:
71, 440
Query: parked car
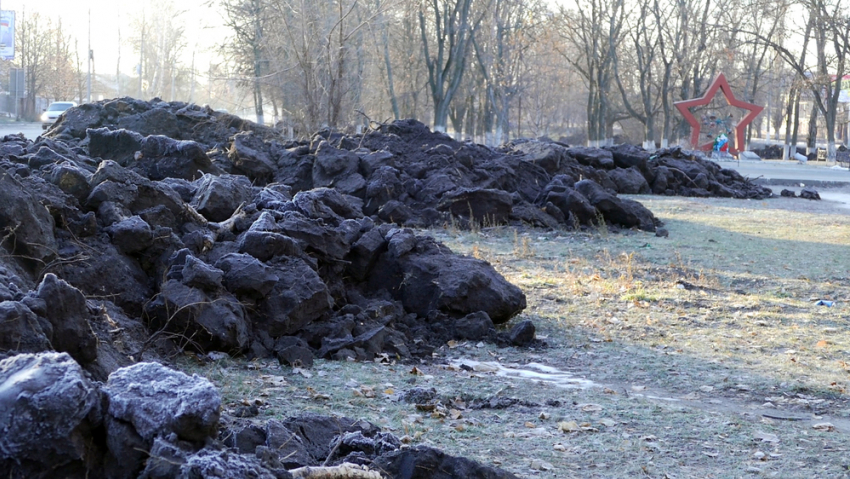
53, 111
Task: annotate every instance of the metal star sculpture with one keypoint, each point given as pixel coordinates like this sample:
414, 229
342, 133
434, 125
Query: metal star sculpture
721, 84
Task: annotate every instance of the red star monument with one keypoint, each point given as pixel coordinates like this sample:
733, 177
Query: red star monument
721, 84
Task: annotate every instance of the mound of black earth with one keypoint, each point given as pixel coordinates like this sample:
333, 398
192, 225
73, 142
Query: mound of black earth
149, 421
168, 226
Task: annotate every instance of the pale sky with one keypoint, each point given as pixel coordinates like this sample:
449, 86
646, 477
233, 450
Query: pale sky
202, 24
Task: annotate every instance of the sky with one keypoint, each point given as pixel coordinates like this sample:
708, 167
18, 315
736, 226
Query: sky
203, 29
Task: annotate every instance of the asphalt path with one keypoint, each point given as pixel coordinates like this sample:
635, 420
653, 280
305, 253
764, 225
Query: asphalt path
791, 172
30, 130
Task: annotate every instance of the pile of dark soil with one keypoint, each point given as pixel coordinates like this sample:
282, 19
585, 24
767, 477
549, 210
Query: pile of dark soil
147, 228
219, 235
149, 421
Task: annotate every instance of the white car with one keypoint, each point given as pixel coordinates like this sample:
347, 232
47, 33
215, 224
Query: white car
53, 111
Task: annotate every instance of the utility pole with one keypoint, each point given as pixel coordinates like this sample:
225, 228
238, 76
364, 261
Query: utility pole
209, 84
173, 75
192, 90
118, 62
142, 55
88, 83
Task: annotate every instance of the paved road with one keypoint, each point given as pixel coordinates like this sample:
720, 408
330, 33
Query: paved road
778, 172
832, 183
30, 130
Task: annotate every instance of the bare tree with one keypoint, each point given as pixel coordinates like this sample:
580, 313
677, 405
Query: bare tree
500, 50
60, 81
247, 19
33, 43
320, 47
829, 27
643, 40
413, 76
832, 41
594, 29
158, 38
382, 24
768, 19
446, 37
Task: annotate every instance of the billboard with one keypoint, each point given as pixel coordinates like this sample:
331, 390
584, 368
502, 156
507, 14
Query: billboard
7, 34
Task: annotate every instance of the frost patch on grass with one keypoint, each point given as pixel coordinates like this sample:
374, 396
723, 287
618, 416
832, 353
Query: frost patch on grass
531, 371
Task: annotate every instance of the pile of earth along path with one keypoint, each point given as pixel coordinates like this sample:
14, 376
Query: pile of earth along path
148, 421
167, 226
122, 247
401, 172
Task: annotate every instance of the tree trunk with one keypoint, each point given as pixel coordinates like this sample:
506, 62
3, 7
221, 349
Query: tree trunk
446, 68
787, 154
389, 67
258, 93
811, 140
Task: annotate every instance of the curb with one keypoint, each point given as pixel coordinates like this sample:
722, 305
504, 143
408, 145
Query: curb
789, 182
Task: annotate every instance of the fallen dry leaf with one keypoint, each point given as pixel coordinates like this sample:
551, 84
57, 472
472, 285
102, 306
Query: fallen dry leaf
317, 395
568, 426
590, 407
486, 367
766, 436
539, 465
821, 344
587, 427
412, 419
824, 426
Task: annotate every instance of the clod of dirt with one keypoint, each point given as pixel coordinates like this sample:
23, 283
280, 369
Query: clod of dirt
809, 194
522, 334
419, 461
150, 421
47, 412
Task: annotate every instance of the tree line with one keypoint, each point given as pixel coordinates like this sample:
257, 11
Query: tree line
491, 70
